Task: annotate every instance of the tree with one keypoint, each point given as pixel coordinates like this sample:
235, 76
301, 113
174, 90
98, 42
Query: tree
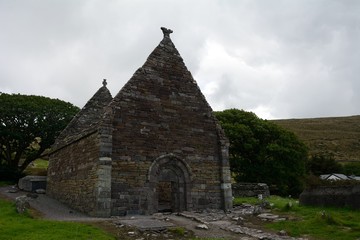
323, 164
29, 126
261, 151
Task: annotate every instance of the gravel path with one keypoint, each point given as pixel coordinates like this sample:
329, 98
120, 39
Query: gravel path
50, 208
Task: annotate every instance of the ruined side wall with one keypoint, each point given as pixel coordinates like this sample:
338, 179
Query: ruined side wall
335, 196
250, 189
72, 174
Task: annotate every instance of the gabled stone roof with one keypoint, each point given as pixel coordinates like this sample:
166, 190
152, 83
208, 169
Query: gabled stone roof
87, 120
164, 85
164, 72
162, 82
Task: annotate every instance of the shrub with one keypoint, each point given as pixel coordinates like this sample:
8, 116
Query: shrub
10, 174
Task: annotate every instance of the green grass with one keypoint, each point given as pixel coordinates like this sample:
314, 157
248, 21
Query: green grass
336, 135
178, 231
37, 167
41, 163
6, 183
318, 222
14, 226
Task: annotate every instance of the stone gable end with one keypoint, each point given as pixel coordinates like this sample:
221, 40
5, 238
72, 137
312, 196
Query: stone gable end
160, 147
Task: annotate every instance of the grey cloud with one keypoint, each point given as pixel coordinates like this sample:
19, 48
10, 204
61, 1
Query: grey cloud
291, 58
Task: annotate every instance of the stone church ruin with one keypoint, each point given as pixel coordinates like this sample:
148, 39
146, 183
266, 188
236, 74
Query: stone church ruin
156, 146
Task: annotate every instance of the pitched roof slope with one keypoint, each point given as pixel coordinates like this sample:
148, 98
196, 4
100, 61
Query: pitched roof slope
163, 75
163, 92
86, 120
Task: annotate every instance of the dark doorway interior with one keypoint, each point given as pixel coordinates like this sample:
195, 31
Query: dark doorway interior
170, 194
165, 195
169, 185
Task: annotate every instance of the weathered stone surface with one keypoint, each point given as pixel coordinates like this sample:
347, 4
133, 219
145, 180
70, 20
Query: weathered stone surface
175, 131
22, 204
146, 224
202, 226
87, 120
156, 146
32, 183
13, 189
230, 222
335, 196
72, 174
32, 195
79, 158
271, 217
250, 190
40, 191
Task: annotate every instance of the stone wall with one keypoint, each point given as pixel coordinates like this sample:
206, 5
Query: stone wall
334, 196
80, 162
250, 189
32, 183
158, 129
161, 116
72, 174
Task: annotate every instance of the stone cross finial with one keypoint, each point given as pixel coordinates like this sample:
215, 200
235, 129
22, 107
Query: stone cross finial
104, 82
166, 31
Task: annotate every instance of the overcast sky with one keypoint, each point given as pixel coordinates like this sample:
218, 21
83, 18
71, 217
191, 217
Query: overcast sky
279, 59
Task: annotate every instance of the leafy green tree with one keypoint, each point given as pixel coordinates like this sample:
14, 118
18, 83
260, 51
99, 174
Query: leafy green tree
28, 126
261, 151
323, 164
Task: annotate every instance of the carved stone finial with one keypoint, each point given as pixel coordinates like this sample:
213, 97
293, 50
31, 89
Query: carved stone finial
166, 31
104, 83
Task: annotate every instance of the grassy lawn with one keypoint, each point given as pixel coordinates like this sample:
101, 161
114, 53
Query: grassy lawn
317, 222
19, 227
38, 167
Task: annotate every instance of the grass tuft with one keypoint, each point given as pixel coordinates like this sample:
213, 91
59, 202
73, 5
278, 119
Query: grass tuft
180, 231
327, 218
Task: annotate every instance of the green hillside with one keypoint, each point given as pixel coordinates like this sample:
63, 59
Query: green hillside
337, 135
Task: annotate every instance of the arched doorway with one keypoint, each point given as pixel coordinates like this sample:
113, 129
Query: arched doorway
169, 180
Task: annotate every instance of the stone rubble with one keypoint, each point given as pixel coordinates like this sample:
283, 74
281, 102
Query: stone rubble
202, 226
13, 189
270, 217
40, 191
235, 221
32, 195
22, 204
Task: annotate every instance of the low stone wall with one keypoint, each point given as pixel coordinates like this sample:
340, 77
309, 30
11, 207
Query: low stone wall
250, 189
32, 183
332, 196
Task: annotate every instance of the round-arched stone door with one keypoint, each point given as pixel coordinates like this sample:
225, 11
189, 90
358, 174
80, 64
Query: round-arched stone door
169, 179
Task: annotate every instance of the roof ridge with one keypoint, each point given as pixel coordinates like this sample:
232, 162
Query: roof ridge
87, 119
